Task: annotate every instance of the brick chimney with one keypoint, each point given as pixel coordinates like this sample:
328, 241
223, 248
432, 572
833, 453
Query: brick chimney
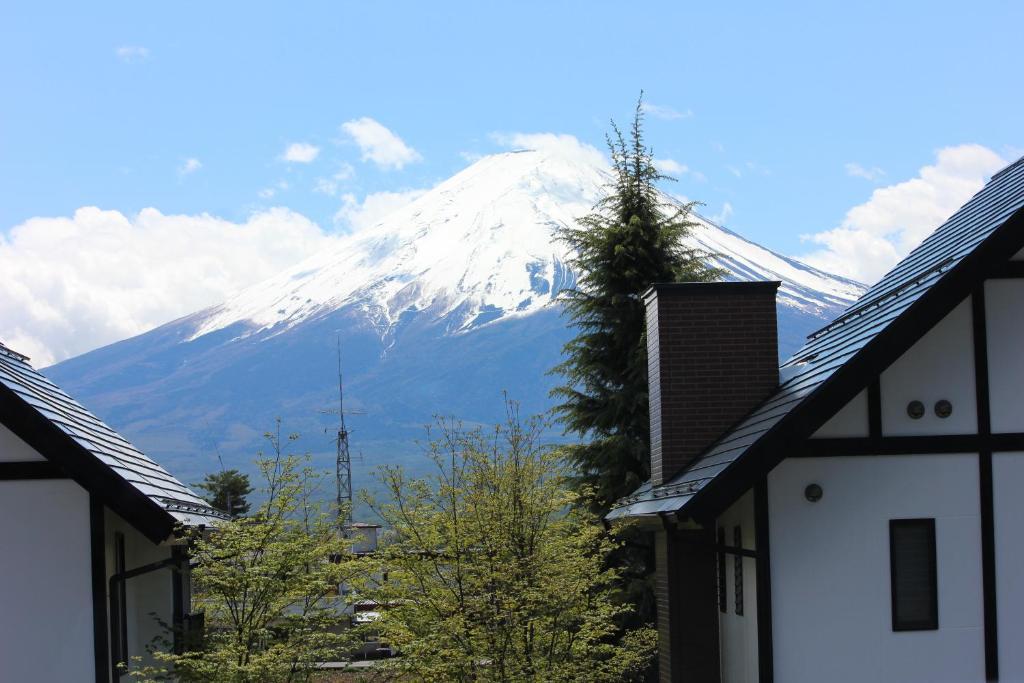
712, 354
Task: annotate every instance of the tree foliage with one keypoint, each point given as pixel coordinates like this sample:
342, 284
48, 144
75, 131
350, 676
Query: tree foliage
494, 573
227, 491
633, 238
267, 584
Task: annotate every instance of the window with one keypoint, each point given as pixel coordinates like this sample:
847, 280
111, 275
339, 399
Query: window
723, 599
915, 599
737, 568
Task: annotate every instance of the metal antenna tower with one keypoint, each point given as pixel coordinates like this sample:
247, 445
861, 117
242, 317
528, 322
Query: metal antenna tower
344, 463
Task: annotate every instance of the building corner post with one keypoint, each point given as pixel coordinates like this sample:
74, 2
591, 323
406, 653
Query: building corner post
765, 647
98, 561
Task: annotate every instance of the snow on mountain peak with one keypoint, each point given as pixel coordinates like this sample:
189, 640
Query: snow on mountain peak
480, 247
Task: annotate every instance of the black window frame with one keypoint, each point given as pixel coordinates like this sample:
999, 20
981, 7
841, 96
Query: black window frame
931, 622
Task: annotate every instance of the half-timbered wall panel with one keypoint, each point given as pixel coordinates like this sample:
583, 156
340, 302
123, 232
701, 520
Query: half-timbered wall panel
46, 633
1008, 501
940, 366
850, 421
149, 595
738, 633
1004, 317
830, 568
13, 449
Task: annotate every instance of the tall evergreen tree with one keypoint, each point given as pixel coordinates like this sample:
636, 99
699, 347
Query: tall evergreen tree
227, 490
633, 238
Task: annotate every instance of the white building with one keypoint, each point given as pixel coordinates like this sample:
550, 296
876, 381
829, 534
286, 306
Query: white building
853, 515
88, 553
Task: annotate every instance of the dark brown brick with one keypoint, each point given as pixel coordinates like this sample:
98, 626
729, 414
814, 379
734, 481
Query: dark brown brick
712, 357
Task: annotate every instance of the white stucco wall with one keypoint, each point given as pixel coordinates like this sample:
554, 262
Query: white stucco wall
46, 589
831, 603
939, 366
1004, 319
850, 421
1007, 479
13, 449
738, 633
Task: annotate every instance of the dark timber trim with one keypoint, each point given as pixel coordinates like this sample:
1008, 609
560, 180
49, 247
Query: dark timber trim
180, 559
875, 409
733, 550
33, 469
987, 512
118, 597
765, 652
1008, 270
908, 445
98, 551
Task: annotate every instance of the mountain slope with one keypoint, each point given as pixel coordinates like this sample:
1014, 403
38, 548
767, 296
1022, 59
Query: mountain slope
439, 308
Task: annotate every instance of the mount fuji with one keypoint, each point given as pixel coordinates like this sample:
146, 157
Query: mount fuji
438, 308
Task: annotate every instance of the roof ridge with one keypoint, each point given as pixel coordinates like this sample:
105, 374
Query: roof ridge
1006, 168
8, 351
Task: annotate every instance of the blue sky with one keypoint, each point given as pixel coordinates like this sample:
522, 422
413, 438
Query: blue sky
786, 116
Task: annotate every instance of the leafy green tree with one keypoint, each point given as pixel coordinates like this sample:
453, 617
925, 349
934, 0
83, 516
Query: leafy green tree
268, 585
494, 572
633, 239
227, 491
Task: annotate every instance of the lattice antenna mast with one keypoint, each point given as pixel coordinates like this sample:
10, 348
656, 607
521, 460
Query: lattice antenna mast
344, 464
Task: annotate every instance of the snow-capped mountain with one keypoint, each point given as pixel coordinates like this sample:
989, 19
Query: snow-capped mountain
480, 247
438, 308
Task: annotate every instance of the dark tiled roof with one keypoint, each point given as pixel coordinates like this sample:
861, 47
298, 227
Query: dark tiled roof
90, 446
838, 360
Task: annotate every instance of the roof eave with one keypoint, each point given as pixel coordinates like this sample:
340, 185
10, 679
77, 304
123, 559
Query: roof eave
82, 466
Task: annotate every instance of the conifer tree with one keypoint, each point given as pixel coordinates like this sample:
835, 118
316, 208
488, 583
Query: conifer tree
633, 238
227, 490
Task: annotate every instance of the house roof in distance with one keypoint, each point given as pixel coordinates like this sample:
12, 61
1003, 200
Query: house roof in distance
90, 452
840, 359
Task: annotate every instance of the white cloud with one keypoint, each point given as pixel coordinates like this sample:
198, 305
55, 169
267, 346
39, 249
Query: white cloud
301, 153
75, 283
132, 53
670, 166
330, 186
724, 215
660, 111
735, 171
375, 206
559, 144
191, 165
855, 170
875, 235
379, 145
674, 168
267, 192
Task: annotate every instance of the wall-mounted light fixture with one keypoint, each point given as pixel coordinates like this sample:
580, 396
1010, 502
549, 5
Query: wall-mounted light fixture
915, 409
943, 408
813, 493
